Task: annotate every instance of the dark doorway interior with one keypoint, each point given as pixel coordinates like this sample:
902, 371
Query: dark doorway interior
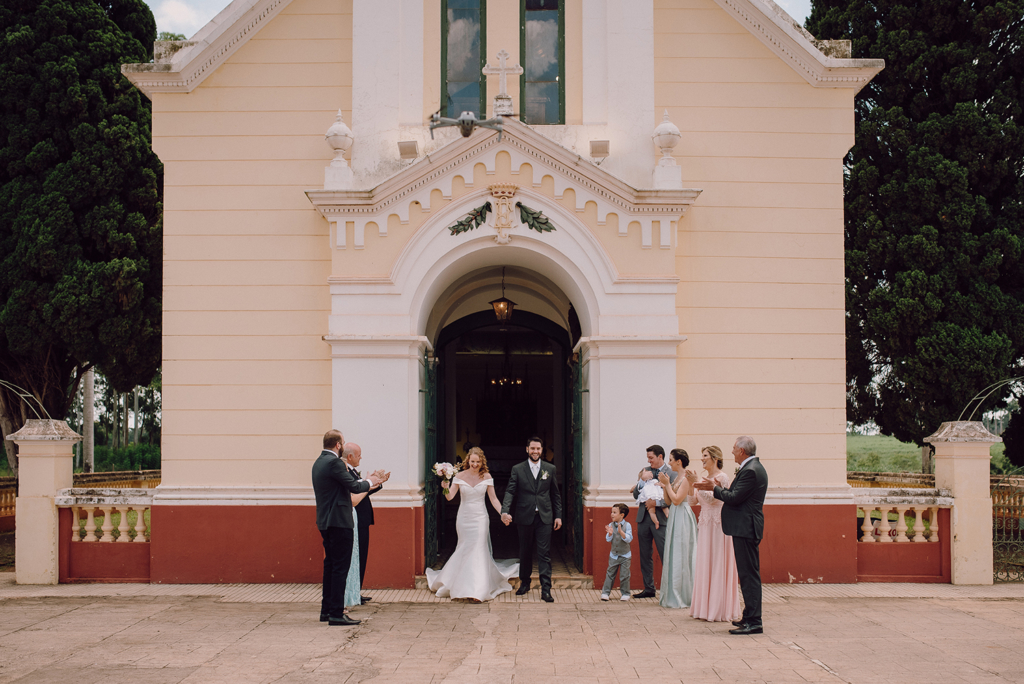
498, 384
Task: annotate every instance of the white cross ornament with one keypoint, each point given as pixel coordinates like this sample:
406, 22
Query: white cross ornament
502, 101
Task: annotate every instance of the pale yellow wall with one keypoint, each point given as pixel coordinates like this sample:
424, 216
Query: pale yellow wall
246, 375
760, 254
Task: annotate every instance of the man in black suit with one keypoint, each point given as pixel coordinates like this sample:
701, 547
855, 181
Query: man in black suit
647, 534
538, 511
743, 520
334, 486
352, 454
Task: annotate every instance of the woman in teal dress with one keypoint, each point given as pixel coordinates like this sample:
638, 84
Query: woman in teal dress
679, 562
353, 592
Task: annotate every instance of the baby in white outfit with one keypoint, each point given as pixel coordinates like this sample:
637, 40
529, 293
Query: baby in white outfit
652, 495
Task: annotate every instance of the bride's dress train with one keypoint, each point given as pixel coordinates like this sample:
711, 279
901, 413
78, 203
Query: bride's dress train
472, 572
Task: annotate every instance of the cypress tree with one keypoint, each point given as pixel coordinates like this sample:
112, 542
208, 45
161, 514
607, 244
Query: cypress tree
80, 233
934, 215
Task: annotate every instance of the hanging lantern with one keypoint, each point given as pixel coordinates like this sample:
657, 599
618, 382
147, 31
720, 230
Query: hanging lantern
503, 307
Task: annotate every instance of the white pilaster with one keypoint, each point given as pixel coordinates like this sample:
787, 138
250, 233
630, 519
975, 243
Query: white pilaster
618, 427
595, 62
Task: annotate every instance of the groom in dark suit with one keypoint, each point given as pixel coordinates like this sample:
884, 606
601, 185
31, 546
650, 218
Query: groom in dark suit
743, 520
333, 486
538, 511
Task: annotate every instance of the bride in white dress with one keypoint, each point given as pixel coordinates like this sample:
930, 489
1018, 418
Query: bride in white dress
472, 572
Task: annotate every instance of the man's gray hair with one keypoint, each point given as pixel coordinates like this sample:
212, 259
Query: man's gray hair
747, 444
348, 451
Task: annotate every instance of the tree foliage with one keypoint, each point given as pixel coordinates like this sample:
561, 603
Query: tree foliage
934, 215
80, 234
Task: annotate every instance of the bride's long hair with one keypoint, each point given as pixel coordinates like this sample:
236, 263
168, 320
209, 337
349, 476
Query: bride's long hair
483, 460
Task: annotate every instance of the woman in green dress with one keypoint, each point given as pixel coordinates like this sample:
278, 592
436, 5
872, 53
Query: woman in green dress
679, 561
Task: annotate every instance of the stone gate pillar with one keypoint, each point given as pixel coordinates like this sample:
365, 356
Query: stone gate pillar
45, 465
962, 459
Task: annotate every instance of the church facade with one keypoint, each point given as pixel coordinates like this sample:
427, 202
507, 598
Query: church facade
663, 206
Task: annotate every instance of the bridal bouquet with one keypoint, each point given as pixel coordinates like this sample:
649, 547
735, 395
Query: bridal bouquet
445, 471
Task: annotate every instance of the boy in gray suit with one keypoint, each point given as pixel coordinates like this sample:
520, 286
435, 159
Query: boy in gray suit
620, 534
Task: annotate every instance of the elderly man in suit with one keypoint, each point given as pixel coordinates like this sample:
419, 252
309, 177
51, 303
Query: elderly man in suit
538, 511
649, 535
743, 520
352, 454
334, 486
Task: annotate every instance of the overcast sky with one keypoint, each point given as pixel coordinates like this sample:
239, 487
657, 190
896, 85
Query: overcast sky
188, 16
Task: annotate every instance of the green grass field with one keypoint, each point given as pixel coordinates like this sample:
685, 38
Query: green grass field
881, 454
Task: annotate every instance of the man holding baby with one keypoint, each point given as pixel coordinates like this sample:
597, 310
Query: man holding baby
651, 518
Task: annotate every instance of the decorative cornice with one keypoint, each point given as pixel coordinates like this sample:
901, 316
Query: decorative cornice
45, 430
963, 431
878, 496
528, 142
208, 49
787, 39
81, 496
392, 496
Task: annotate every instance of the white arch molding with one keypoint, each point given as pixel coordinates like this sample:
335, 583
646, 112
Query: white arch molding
379, 335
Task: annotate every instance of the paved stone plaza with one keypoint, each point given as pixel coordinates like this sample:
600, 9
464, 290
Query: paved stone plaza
162, 634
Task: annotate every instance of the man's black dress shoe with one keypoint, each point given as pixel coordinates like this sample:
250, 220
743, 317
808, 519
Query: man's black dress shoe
644, 594
748, 629
363, 600
324, 617
523, 588
738, 623
546, 595
343, 621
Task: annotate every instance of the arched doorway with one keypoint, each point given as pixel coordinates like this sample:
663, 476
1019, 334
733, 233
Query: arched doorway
494, 385
385, 368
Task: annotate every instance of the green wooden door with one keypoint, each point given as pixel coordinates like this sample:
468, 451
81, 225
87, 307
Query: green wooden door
574, 483
431, 487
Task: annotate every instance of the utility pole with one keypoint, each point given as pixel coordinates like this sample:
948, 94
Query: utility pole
135, 413
88, 420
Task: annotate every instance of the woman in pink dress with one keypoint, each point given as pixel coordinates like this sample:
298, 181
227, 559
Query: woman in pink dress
716, 589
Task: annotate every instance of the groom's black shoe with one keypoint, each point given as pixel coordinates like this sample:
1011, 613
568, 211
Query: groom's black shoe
523, 588
738, 623
344, 621
324, 617
546, 595
363, 600
748, 629
646, 593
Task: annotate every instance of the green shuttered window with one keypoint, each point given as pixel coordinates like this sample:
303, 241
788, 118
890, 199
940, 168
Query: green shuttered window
542, 44
463, 55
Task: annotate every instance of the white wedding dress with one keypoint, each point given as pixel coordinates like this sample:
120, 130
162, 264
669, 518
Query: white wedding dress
472, 572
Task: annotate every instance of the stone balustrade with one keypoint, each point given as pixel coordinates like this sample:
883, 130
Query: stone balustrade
107, 504
903, 501
7, 501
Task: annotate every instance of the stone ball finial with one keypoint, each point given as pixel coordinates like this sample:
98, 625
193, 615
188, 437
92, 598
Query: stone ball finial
666, 136
339, 137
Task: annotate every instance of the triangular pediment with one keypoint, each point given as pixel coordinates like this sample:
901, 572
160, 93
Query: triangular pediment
533, 157
524, 145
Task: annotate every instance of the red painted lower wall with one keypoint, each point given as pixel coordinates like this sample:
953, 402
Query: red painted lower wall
801, 544
280, 544
99, 561
908, 561
273, 544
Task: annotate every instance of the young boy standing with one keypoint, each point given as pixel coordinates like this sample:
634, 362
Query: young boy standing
620, 534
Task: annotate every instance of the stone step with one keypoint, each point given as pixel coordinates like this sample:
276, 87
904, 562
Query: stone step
558, 581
